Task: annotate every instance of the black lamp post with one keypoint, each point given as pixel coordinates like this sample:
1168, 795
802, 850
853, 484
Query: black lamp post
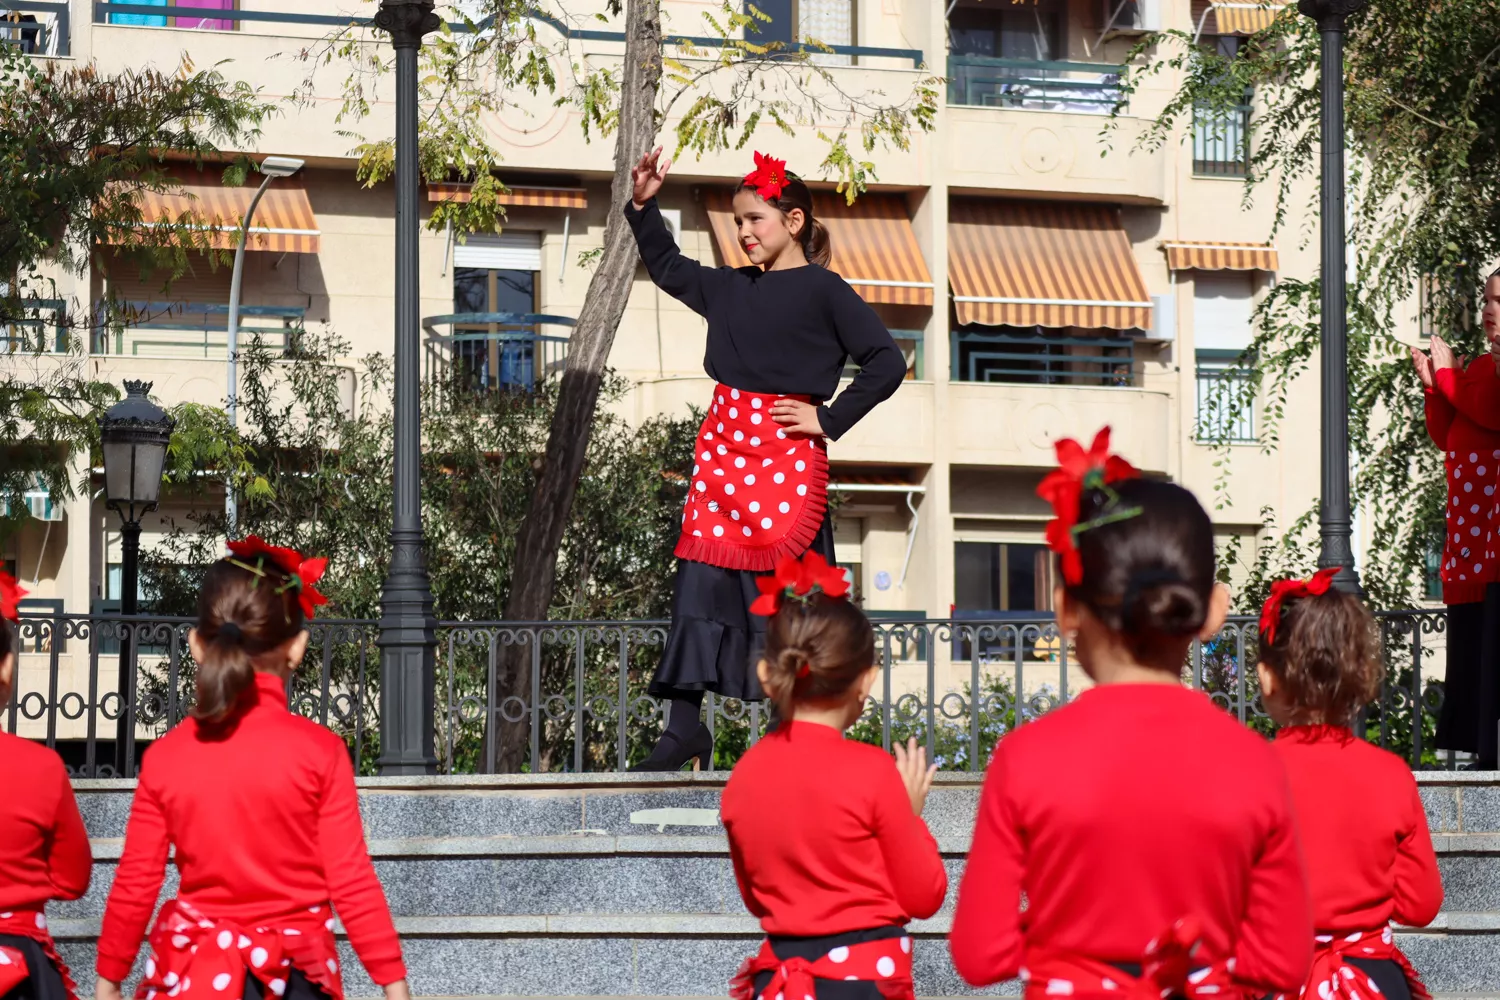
408, 631
1334, 521
134, 434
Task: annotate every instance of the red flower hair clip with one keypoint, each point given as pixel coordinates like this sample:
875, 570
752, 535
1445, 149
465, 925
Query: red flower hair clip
1080, 470
11, 593
252, 554
1270, 613
769, 178
798, 579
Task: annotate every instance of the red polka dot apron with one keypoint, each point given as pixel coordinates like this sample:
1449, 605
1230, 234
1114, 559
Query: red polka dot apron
1333, 978
13, 969
1167, 969
193, 956
757, 493
886, 963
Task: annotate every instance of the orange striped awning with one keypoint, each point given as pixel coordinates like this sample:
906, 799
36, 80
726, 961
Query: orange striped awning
1052, 264
874, 248
1221, 257
1236, 17
284, 221
531, 197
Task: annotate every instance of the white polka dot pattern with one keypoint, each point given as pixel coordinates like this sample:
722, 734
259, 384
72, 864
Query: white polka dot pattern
743, 519
1469, 560
887, 961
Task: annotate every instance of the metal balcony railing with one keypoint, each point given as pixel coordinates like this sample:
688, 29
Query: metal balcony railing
493, 351
177, 329
1221, 145
1076, 87
957, 685
38, 28
982, 356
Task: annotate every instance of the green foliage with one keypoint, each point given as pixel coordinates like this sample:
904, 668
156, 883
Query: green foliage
1423, 85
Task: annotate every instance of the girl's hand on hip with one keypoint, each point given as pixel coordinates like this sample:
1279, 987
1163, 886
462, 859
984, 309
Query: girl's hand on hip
796, 417
106, 990
648, 176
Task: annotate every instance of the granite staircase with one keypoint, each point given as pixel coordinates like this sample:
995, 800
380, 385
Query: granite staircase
621, 885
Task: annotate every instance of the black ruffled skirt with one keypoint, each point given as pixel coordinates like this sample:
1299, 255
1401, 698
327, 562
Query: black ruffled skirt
45, 981
1471, 688
715, 640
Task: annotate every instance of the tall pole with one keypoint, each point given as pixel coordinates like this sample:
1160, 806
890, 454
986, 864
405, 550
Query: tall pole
1334, 514
408, 631
232, 401
130, 569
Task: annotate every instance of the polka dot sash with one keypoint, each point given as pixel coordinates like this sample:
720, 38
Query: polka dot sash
1168, 968
886, 963
757, 493
13, 969
193, 956
1333, 978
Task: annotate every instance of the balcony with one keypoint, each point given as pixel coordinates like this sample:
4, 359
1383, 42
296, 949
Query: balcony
38, 28
980, 355
493, 352
1067, 87
194, 330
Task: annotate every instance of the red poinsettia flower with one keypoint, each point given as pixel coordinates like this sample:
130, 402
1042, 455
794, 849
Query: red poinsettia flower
1270, 613
798, 578
305, 572
769, 176
1063, 488
11, 593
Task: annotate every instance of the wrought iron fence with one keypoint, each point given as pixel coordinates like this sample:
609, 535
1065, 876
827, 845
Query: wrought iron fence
957, 686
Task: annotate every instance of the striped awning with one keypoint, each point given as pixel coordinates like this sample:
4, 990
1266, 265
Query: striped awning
1236, 17
531, 197
1052, 264
284, 221
874, 248
1221, 256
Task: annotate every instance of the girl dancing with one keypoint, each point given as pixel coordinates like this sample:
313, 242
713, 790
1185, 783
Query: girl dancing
779, 334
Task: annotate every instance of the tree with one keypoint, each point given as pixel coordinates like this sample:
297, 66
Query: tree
719, 103
77, 150
1424, 223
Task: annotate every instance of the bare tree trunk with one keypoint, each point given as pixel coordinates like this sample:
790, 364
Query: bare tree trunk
588, 350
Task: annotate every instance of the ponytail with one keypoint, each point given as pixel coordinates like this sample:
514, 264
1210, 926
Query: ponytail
242, 616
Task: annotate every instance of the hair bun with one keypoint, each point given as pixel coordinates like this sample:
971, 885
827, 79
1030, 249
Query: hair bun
1162, 602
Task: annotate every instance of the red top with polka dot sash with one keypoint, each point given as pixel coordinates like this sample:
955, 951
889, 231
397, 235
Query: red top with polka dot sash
44, 848
1364, 834
757, 493
265, 821
1463, 419
1119, 815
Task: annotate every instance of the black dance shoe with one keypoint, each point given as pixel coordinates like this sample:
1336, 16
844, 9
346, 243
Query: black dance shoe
672, 752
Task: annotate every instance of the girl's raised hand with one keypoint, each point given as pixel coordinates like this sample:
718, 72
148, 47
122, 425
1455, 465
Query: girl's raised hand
797, 417
1424, 367
648, 177
911, 761
1442, 354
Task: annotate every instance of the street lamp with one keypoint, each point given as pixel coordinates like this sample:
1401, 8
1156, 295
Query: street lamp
1334, 517
408, 631
273, 167
133, 434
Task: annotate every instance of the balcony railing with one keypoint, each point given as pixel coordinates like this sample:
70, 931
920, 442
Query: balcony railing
981, 356
1221, 146
39, 327
225, 17
957, 685
494, 351
178, 329
1224, 414
38, 28
1076, 87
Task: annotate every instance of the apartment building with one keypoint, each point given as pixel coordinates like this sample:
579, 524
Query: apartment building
1043, 277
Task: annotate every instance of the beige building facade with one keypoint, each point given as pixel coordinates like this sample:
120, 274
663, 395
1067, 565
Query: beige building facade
1046, 276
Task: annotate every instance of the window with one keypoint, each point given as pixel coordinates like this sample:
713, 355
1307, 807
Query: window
1226, 402
783, 24
1221, 143
179, 21
831, 22
1011, 354
1032, 32
999, 580
495, 286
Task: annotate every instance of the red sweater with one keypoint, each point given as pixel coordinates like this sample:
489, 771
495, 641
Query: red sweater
1118, 814
823, 837
1463, 419
1364, 832
266, 824
44, 849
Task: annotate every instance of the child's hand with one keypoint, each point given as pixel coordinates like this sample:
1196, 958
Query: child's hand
396, 991
796, 417
648, 177
106, 990
911, 761
1424, 367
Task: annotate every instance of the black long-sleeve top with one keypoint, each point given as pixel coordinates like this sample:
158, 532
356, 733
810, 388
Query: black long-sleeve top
787, 331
